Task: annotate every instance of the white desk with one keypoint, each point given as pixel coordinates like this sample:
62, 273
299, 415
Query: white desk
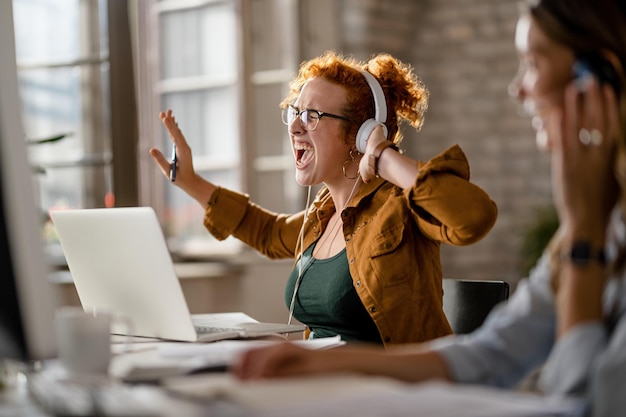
355, 395
16, 401
219, 394
349, 394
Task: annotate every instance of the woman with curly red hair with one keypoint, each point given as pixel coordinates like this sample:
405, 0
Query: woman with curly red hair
367, 261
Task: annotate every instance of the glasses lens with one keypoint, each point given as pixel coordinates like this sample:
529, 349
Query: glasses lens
304, 118
309, 119
288, 115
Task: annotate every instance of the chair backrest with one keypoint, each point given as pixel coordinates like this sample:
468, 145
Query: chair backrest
467, 303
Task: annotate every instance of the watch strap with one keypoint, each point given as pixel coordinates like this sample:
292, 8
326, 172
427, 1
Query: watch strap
582, 253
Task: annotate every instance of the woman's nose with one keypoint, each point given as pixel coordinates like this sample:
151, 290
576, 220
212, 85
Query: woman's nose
295, 127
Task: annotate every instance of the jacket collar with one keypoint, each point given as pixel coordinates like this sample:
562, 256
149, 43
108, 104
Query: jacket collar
324, 205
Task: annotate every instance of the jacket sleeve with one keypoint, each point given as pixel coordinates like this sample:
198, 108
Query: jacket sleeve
447, 206
272, 234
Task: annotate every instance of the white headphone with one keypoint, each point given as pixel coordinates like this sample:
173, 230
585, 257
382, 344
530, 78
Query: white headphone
380, 106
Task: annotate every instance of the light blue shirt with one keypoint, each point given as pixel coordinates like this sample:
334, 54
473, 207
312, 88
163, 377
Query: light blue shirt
519, 336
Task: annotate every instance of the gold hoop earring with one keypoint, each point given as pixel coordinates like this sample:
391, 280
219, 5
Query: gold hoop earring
352, 160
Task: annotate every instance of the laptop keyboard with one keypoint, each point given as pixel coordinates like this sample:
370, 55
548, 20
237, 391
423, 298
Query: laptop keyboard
212, 329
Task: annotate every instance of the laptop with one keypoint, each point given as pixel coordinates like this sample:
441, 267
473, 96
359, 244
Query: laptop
120, 262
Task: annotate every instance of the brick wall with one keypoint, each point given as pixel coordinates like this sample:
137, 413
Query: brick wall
464, 52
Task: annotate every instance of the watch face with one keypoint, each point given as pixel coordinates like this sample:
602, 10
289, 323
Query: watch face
581, 252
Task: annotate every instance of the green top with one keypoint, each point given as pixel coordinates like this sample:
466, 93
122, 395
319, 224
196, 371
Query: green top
326, 300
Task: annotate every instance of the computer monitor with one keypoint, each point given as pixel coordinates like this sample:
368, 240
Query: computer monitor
27, 298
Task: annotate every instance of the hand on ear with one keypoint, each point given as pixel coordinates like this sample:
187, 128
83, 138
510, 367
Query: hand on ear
367, 165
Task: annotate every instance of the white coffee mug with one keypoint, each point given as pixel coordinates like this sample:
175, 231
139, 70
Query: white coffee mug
84, 340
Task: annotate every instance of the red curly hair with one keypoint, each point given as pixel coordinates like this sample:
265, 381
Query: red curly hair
405, 94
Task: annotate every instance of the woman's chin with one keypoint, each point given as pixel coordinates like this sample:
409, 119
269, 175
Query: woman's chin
303, 180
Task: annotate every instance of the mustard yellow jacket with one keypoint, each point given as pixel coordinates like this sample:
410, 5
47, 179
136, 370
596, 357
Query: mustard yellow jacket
392, 239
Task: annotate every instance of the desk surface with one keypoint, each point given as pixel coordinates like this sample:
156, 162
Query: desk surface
16, 400
330, 395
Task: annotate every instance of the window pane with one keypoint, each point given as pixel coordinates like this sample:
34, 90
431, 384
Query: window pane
51, 102
69, 101
199, 41
272, 137
51, 30
182, 220
199, 48
274, 37
48, 27
184, 206
229, 178
208, 118
64, 89
73, 187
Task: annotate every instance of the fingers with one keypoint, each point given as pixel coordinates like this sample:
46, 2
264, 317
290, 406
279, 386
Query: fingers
612, 115
377, 136
274, 361
582, 164
365, 169
586, 115
183, 151
169, 121
253, 364
161, 161
366, 165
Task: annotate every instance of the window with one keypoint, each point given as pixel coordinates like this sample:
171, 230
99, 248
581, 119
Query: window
196, 73
221, 65
69, 81
63, 75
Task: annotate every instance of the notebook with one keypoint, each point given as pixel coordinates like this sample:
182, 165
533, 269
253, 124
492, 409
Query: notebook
120, 262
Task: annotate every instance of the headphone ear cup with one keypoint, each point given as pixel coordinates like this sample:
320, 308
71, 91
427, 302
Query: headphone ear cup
365, 131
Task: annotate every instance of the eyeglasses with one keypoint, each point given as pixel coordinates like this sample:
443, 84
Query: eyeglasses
308, 118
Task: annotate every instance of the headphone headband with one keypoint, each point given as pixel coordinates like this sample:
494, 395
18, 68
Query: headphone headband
380, 104
380, 107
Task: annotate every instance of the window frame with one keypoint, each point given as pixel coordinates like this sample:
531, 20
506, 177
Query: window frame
306, 39
135, 91
110, 144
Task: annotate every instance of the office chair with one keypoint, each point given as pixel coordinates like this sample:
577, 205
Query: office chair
467, 303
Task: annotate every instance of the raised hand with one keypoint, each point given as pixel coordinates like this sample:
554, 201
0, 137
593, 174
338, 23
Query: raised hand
186, 177
583, 165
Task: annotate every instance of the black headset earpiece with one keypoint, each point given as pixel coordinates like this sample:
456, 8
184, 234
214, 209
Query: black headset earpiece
380, 115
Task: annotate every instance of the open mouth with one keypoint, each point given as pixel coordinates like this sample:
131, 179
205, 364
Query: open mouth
304, 153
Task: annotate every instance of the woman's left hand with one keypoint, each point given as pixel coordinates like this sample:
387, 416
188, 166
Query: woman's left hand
583, 160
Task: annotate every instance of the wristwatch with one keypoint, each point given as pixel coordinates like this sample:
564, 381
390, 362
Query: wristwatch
581, 254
